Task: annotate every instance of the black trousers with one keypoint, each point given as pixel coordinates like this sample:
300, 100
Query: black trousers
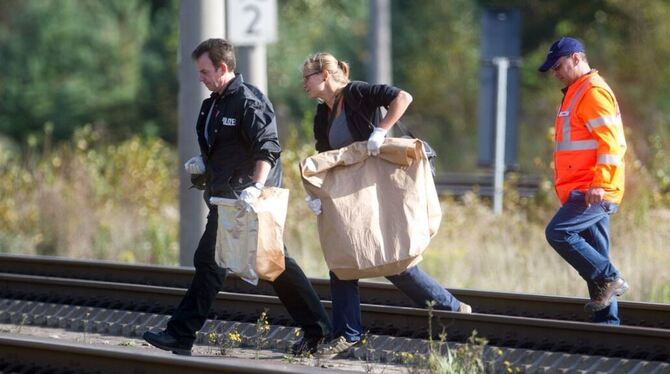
292, 288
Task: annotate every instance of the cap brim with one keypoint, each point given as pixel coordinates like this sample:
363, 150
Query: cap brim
549, 63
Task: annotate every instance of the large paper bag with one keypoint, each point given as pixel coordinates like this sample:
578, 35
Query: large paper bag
250, 243
378, 213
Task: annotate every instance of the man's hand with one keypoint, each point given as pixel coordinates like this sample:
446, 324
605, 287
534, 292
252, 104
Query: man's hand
314, 203
248, 196
594, 195
375, 141
195, 165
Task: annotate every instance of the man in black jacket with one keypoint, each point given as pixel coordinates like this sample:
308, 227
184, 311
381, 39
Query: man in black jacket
237, 135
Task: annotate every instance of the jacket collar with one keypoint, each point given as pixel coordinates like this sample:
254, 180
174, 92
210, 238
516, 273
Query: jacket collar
231, 88
580, 80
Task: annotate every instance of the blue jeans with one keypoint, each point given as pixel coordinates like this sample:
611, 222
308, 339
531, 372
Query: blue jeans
413, 282
580, 234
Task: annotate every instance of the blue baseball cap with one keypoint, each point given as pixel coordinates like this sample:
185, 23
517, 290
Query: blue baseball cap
562, 47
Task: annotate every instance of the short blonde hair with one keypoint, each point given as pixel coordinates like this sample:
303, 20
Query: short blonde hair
323, 61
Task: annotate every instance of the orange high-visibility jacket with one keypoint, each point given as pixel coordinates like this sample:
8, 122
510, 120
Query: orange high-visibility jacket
589, 140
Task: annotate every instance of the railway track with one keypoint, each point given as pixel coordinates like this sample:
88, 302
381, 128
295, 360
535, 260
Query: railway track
632, 342
34, 355
458, 184
486, 302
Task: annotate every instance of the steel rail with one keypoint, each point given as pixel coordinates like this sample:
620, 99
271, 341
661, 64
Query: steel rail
44, 355
502, 303
505, 331
458, 184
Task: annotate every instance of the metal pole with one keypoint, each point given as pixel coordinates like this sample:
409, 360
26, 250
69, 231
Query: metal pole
252, 63
379, 66
379, 44
198, 20
501, 114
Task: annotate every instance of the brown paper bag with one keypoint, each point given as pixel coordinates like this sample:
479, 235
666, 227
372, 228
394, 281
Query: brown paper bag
378, 213
250, 243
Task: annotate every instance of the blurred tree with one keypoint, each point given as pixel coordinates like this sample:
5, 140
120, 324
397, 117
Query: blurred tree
69, 62
438, 63
307, 27
158, 93
113, 62
626, 42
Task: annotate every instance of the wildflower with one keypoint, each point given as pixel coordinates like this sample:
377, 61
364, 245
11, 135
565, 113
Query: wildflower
235, 337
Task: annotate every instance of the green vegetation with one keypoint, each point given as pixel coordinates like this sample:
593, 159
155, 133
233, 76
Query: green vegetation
88, 120
68, 63
88, 198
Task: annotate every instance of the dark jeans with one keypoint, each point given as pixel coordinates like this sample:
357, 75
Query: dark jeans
413, 282
292, 287
580, 234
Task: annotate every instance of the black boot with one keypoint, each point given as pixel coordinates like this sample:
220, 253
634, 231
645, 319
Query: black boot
165, 341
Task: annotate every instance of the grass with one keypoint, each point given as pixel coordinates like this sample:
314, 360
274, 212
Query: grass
476, 249
89, 199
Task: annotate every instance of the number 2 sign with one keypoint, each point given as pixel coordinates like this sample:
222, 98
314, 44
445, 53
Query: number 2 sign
251, 22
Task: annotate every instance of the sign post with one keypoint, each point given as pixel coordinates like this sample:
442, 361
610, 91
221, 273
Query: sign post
502, 64
251, 22
251, 25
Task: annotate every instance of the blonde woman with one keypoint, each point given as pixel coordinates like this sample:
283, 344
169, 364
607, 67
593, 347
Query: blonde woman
349, 111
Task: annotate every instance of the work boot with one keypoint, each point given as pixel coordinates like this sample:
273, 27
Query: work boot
602, 293
464, 308
305, 346
167, 342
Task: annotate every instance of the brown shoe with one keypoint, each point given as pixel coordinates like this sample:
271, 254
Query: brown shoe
464, 308
334, 348
604, 291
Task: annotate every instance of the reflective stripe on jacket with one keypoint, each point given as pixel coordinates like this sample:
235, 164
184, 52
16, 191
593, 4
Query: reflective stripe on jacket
589, 140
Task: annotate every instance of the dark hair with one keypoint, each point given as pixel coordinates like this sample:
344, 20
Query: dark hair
219, 51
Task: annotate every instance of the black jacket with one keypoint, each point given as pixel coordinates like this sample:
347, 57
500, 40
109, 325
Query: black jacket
242, 130
361, 106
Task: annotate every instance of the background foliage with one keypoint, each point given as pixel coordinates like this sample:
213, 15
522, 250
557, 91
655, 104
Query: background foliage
70, 63
88, 121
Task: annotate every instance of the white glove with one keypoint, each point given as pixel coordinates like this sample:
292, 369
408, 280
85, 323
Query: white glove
314, 203
249, 196
195, 165
375, 141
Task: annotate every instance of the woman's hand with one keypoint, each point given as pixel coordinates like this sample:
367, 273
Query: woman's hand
375, 141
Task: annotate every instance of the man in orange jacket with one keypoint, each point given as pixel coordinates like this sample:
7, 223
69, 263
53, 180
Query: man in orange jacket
589, 175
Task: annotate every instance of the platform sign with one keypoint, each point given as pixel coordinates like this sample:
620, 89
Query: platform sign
251, 22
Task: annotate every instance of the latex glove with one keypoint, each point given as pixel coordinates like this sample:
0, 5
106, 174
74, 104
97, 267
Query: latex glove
314, 203
195, 165
375, 141
248, 196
